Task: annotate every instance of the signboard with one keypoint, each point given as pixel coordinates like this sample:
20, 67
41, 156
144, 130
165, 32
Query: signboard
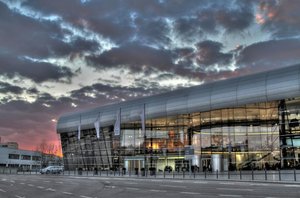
188, 152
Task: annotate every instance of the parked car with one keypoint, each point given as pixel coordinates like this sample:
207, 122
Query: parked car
52, 170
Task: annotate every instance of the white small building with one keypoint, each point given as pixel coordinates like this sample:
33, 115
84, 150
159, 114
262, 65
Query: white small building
21, 159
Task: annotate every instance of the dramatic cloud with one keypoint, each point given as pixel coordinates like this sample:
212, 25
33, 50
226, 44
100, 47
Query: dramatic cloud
281, 17
37, 71
60, 56
8, 88
134, 56
271, 54
209, 53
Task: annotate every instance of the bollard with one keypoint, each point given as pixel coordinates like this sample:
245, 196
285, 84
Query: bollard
240, 174
217, 174
266, 178
295, 179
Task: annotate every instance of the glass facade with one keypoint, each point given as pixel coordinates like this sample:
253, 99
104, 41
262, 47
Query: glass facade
253, 136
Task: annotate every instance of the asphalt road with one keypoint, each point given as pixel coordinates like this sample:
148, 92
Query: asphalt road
46, 186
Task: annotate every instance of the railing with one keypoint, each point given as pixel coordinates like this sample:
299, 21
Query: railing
292, 175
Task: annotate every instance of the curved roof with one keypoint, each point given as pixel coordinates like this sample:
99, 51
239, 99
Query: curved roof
267, 86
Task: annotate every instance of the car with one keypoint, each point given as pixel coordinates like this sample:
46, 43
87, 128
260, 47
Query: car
52, 170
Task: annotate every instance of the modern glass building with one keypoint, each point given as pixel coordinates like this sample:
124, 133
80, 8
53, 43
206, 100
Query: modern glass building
249, 122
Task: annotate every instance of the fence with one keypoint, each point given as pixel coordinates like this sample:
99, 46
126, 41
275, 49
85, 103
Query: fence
257, 175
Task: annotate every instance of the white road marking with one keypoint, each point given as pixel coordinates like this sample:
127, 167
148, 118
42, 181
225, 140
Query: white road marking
177, 181
67, 193
84, 196
153, 190
12, 181
1, 190
19, 196
200, 182
22, 183
59, 182
190, 193
40, 187
235, 189
223, 195
110, 186
3, 179
259, 184
47, 181
30, 185
131, 183
291, 185
132, 188
227, 183
172, 186
51, 189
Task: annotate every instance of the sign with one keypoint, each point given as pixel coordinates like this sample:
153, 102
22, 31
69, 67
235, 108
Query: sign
188, 152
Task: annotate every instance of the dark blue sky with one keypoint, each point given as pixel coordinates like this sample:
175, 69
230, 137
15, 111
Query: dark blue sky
60, 56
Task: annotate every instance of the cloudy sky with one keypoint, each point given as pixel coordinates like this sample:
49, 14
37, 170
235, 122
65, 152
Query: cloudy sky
61, 56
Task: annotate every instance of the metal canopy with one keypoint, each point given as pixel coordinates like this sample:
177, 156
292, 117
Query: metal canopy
267, 86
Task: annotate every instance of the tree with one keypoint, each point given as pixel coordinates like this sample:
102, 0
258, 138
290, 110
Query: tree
49, 154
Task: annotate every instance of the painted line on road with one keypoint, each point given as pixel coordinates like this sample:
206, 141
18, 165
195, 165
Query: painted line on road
84, 196
1, 190
172, 186
40, 187
3, 179
31, 185
59, 182
235, 189
177, 181
199, 182
67, 193
132, 183
22, 183
154, 190
109, 186
19, 196
259, 184
51, 189
227, 183
132, 188
223, 195
291, 185
190, 193
47, 181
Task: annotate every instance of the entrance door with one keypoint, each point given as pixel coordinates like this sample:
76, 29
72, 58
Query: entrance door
206, 164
